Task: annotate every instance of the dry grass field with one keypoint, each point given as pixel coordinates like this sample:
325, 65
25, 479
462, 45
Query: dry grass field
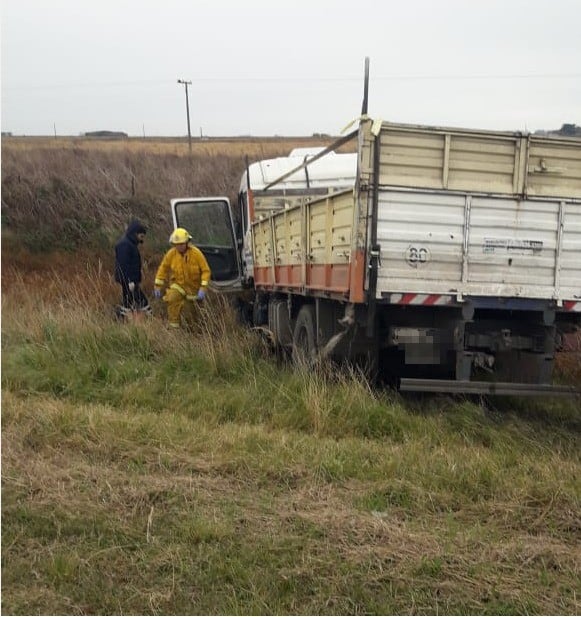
152, 472
253, 147
75, 193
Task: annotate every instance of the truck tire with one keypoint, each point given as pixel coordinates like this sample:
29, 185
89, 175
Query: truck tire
304, 337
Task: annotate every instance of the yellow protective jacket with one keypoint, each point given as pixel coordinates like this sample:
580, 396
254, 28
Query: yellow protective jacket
185, 273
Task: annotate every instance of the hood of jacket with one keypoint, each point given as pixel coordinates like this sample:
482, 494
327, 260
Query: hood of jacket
134, 228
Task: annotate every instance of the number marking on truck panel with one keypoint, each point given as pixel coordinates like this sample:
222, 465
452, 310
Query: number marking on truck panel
417, 255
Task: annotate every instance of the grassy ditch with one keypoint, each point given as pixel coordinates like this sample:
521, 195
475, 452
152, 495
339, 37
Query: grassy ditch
146, 471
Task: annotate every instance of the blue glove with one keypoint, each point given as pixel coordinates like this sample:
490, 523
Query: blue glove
157, 294
201, 294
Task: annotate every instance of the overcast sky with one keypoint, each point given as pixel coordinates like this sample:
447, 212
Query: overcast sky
265, 67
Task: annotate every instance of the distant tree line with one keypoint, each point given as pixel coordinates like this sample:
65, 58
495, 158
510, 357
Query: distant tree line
566, 130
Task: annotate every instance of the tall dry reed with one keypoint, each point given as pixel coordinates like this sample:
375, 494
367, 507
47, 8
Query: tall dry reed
65, 194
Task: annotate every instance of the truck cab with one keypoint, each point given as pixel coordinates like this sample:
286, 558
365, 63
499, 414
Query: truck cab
225, 236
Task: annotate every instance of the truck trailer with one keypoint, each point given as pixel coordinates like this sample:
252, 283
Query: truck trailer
439, 259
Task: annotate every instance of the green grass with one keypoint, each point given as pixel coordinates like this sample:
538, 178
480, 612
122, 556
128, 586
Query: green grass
146, 471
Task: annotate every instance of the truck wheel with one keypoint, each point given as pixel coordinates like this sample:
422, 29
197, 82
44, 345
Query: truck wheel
304, 339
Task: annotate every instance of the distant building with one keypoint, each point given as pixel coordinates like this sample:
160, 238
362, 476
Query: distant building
6, 134
107, 134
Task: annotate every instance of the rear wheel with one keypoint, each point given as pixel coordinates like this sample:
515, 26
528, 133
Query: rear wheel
304, 337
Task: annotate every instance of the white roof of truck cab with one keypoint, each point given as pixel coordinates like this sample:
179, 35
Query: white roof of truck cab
331, 170
309, 152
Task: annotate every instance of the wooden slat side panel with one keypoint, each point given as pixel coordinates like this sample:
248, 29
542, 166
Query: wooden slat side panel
330, 225
281, 242
491, 162
307, 247
296, 250
263, 250
554, 168
424, 158
316, 236
411, 159
482, 164
342, 228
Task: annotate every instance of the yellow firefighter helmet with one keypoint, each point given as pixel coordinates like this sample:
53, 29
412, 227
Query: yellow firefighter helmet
180, 236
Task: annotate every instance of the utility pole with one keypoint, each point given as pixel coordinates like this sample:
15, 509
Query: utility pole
186, 84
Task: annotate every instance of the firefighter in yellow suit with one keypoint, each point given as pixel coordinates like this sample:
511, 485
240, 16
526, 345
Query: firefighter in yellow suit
185, 274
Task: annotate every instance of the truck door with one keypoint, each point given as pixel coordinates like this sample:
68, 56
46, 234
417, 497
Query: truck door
209, 222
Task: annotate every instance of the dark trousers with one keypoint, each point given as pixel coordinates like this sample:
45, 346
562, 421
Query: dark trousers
135, 299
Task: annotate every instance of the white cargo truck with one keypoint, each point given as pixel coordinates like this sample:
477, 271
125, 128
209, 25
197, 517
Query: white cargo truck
441, 259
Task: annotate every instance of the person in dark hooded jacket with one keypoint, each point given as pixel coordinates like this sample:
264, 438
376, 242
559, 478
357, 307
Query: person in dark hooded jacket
128, 268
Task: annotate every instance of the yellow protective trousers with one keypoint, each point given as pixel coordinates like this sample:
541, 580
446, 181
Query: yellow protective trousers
176, 301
